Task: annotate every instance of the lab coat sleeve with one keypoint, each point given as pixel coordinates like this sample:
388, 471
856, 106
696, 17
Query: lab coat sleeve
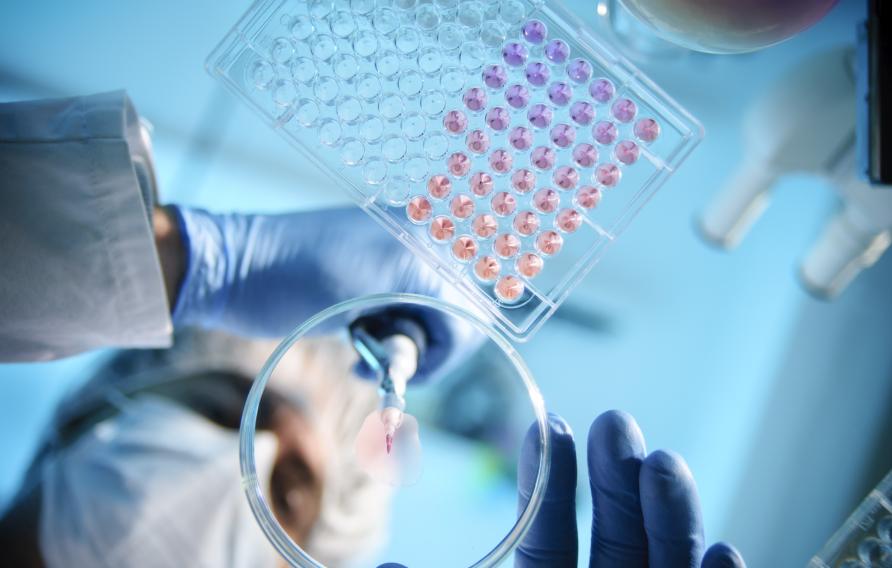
78, 265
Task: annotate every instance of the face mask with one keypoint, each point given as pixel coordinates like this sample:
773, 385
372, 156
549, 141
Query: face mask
156, 485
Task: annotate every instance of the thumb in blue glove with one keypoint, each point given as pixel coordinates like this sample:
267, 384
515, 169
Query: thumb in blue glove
646, 511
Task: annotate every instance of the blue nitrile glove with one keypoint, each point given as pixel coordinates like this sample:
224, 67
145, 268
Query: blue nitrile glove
262, 275
646, 507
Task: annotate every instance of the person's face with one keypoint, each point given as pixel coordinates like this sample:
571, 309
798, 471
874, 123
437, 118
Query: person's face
296, 482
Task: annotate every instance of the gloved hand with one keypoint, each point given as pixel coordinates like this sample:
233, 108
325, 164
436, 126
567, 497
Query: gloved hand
262, 275
646, 507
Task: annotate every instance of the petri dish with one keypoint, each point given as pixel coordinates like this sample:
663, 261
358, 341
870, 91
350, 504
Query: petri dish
465, 431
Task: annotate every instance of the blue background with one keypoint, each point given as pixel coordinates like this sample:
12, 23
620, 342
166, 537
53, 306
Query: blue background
779, 402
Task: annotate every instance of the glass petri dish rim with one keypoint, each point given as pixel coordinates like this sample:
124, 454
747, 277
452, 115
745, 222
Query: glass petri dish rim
274, 532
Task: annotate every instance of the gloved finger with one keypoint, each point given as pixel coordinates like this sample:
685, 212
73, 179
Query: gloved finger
552, 540
671, 510
722, 555
615, 452
391, 565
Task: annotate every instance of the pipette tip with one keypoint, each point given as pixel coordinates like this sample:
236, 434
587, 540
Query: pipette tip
388, 440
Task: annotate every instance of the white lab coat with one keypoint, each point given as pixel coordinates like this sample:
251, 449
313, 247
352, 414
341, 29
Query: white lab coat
77, 255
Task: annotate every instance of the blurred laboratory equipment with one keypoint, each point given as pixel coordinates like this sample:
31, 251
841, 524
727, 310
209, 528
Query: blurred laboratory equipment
806, 124
728, 26
640, 41
854, 238
865, 539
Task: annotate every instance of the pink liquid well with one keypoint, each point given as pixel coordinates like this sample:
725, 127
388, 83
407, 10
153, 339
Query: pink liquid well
546, 200
442, 228
462, 206
419, 209
588, 197
506, 245
487, 268
607, 174
464, 248
485, 225
439, 186
566, 177
481, 184
530, 264
458, 164
503, 203
526, 223
523, 180
455, 122
549, 242
568, 220
509, 288
477, 141
501, 161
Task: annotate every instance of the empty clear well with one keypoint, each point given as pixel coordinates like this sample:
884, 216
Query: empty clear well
503, 146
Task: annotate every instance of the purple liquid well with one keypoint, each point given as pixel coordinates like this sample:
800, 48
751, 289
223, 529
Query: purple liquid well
520, 138
602, 90
579, 70
563, 135
537, 74
560, 93
647, 129
475, 99
515, 54
495, 76
534, 31
498, 118
540, 115
557, 51
604, 132
517, 96
624, 110
582, 113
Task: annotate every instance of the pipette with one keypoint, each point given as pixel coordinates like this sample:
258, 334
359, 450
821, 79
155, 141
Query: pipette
394, 360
